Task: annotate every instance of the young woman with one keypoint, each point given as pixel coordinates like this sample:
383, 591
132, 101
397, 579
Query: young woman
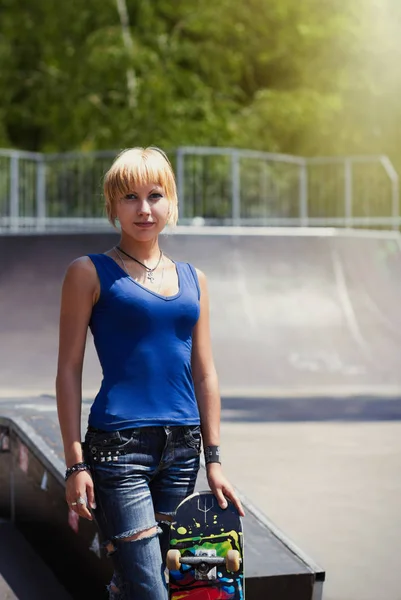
159, 395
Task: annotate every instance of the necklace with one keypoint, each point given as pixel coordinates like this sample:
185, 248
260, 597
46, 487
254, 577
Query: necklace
149, 271
128, 273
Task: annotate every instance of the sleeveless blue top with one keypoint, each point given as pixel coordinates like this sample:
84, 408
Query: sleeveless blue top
144, 343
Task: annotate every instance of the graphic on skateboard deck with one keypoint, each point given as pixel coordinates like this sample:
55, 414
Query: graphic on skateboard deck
205, 559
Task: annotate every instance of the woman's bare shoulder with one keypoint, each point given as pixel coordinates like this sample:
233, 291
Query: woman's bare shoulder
199, 272
82, 264
201, 276
81, 271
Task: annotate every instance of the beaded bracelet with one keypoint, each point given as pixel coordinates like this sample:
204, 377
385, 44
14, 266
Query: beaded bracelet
81, 466
212, 454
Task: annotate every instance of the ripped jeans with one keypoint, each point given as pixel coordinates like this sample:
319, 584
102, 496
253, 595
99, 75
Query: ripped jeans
137, 473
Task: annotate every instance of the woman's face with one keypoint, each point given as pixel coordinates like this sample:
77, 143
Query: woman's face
143, 212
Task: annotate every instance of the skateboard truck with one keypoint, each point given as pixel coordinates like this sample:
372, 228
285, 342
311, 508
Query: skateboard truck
205, 562
204, 569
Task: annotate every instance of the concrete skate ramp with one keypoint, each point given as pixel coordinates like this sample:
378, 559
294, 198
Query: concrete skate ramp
293, 312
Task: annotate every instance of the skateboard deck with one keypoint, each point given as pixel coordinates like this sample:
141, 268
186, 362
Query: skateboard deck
205, 559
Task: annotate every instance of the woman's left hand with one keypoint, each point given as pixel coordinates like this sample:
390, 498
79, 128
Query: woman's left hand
222, 488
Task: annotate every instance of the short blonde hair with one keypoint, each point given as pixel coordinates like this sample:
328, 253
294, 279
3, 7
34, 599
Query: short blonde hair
140, 166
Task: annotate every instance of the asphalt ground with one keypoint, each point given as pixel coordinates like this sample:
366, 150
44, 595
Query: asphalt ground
335, 489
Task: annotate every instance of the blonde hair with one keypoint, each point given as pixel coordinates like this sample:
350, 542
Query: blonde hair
140, 166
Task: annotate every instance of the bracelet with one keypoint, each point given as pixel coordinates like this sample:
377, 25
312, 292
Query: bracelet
81, 466
212, 454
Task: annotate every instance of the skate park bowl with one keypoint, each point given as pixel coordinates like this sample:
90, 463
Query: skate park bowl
294, 312
305, 325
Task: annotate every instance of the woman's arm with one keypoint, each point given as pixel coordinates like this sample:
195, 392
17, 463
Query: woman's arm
208, 396
79, 293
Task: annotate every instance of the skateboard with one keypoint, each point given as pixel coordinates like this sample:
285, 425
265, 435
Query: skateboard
205, 557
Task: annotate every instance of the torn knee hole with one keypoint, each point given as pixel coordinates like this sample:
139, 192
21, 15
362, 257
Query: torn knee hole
140, 535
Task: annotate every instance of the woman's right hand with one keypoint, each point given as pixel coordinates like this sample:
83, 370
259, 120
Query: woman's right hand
79, 485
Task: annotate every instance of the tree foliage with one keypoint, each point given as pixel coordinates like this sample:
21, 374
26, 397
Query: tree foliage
306, 77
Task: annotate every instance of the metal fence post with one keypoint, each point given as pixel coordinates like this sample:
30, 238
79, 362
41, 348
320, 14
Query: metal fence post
303, 194
27, 183
235, 189
41, 194
396, 203
14, 192
348, 192
395, 191
180, 183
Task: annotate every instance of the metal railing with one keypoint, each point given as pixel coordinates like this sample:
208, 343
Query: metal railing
216, 186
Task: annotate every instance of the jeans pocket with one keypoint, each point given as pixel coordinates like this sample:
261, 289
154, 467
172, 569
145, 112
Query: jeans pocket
192, 437
108, 446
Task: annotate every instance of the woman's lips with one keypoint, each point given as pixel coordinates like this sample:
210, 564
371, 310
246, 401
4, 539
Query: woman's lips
144, 225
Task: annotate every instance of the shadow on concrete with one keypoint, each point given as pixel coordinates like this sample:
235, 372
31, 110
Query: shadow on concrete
234, 410
262, 410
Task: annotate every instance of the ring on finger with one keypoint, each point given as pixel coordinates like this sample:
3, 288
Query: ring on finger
81, 501
74, 503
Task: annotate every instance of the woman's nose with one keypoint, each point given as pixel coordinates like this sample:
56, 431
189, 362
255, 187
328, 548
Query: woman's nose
143, 207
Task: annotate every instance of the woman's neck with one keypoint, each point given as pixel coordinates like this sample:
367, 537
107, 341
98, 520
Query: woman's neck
144, 251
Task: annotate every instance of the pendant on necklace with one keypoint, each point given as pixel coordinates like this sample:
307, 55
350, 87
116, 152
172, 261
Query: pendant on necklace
150, 277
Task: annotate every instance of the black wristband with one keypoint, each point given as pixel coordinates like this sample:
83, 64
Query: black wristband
212, 454
81, 466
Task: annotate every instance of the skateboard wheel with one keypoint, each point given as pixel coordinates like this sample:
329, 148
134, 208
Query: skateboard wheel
233, 561
173, 560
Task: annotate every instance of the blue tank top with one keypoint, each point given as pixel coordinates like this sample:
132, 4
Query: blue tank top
144, 343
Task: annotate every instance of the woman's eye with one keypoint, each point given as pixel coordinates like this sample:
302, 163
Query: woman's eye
131, 197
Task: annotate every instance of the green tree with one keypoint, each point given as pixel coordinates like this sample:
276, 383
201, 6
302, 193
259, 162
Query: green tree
306, 77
